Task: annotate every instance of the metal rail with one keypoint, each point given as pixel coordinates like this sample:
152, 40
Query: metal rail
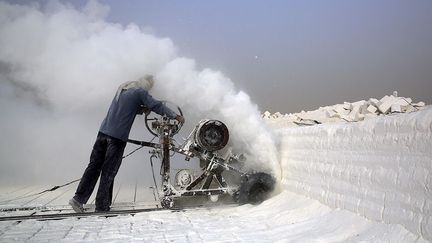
79, 215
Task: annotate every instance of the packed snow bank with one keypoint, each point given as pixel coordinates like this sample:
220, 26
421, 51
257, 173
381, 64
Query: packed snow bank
379, 168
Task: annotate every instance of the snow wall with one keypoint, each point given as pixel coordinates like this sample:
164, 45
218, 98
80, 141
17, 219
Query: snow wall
379, 168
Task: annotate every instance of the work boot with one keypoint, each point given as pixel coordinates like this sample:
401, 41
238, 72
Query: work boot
77, 206
98, 210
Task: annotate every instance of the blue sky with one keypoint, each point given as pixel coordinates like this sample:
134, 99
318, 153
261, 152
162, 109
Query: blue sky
294, 55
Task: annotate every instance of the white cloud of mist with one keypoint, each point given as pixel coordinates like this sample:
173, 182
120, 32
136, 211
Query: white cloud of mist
59, 69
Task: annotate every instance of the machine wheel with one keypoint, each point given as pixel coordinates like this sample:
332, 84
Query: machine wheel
255, 188
167, 202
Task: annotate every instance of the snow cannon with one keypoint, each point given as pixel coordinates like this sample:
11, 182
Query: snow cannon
211, 135
207, 137
219, 175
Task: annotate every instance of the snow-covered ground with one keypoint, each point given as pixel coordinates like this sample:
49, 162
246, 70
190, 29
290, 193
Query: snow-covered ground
341, 182
286, 217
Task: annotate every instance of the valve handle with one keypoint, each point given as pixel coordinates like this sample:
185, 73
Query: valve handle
151, 116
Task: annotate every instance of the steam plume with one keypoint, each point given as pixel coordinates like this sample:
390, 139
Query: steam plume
59, 69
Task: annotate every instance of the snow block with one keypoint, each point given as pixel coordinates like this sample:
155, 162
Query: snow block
386, 103
372, 109
266, 114
396, 108
419, 104
277, 115
354, 114
403, 101
374, 102
339, 109
347, 106
410, 109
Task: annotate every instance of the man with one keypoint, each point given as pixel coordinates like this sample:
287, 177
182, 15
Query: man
107, 153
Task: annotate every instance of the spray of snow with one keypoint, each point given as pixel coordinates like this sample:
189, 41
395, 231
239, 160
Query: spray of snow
59, 69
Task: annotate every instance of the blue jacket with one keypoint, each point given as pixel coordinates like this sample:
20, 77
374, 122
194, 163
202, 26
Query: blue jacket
123, 110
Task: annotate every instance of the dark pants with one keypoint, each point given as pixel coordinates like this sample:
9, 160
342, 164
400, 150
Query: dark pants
105, 160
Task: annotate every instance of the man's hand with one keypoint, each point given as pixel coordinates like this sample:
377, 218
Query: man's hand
180, 119
143, 110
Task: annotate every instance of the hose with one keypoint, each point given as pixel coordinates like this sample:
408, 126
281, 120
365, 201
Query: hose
153, 173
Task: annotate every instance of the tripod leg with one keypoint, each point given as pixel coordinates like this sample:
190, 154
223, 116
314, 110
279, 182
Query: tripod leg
208, 181
196, 181
221, 180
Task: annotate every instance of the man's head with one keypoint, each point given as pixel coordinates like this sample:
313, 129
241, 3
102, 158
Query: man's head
146, 82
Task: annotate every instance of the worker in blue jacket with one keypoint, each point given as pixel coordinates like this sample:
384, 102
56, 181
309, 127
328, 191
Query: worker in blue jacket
107, 153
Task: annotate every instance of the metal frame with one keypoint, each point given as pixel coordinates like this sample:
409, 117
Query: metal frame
165, 128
